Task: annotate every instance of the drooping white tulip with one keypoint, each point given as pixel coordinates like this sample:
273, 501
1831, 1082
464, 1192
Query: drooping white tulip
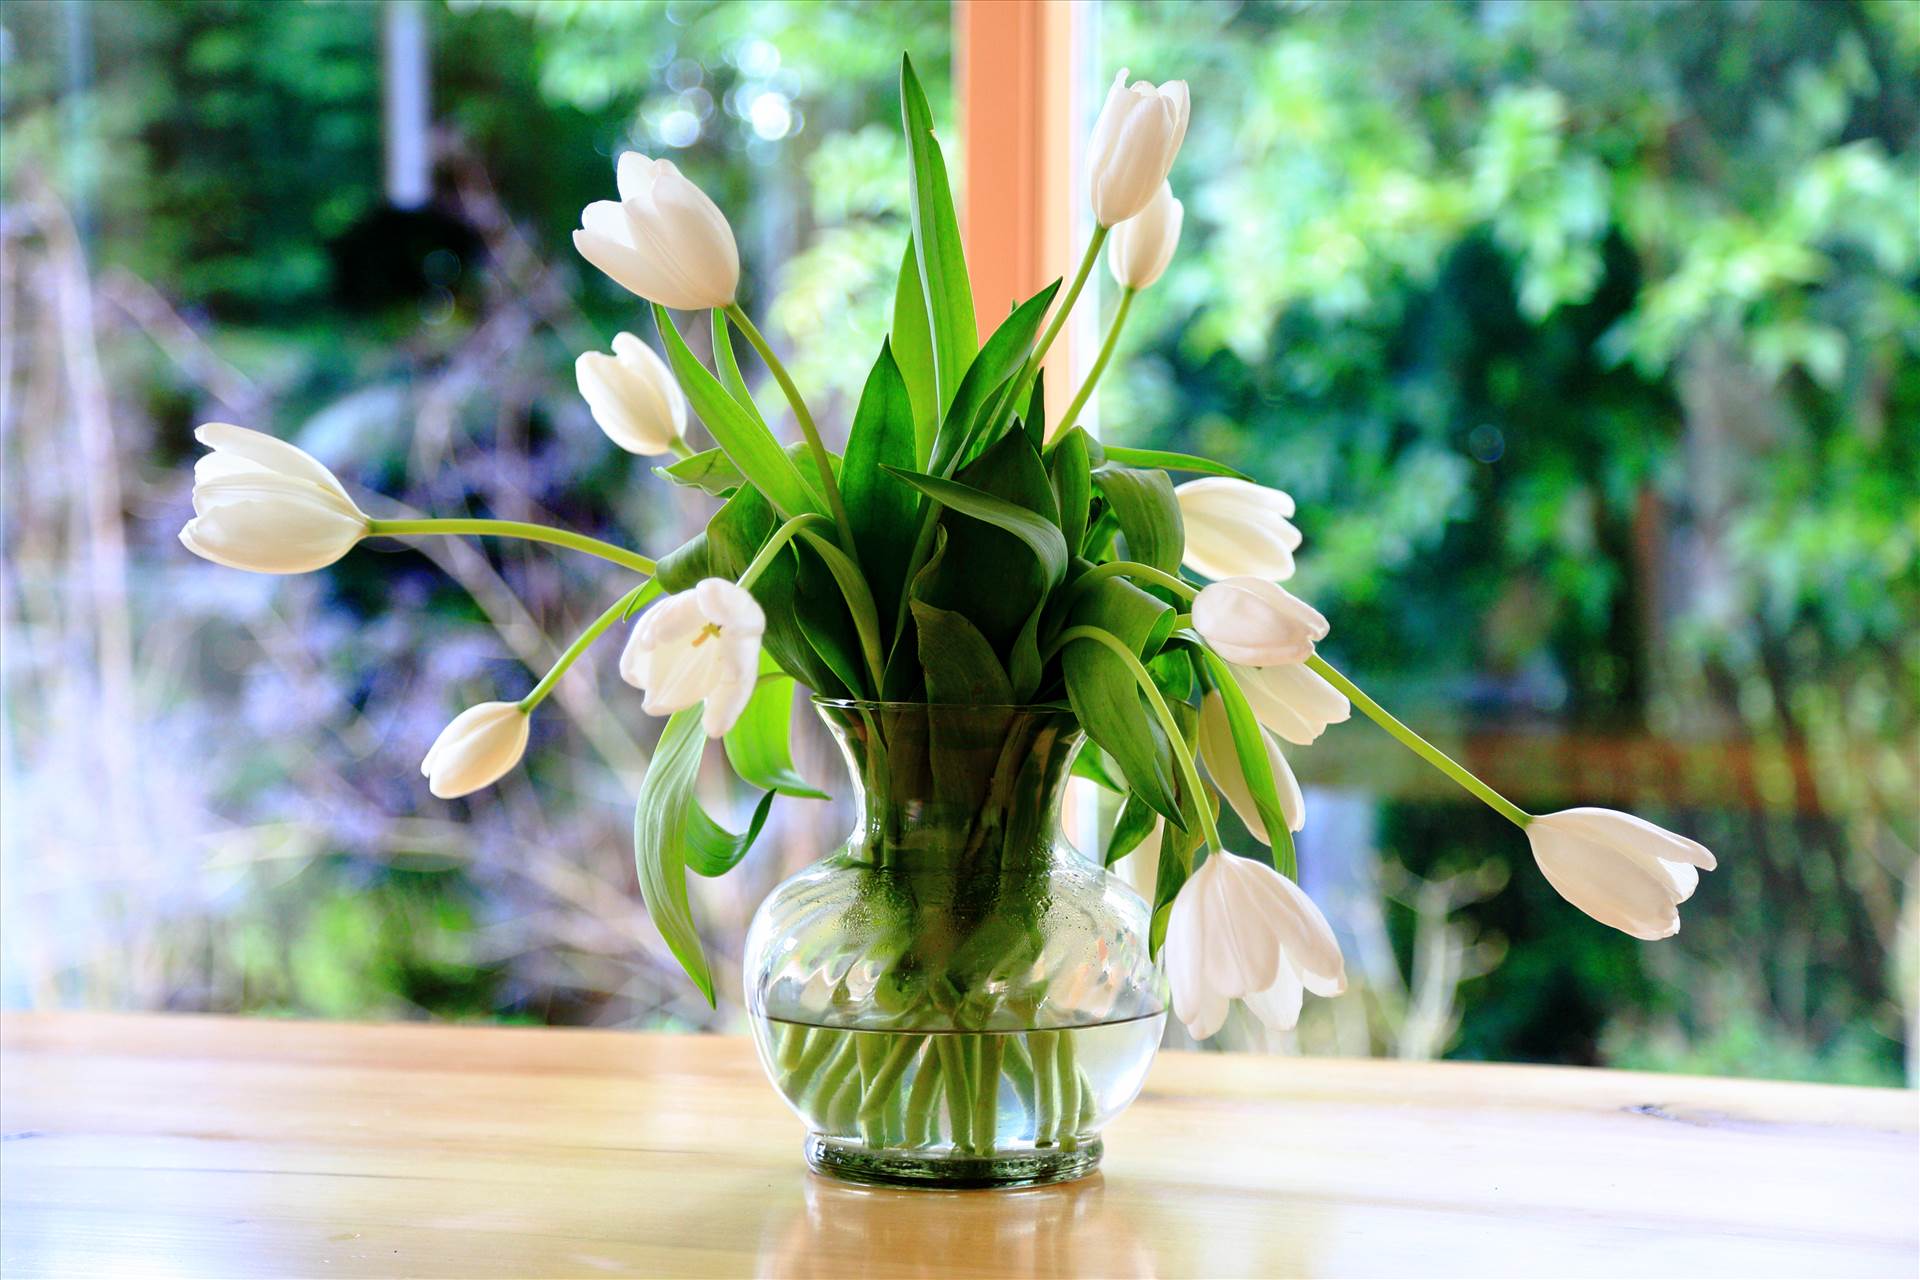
1134, 141
662, 239
476, 749
1621, 870
1240, 930
699, 645
1256, 623
633, 396
1293, 701
1223, 766
1237, 529
1140, 248
267, 506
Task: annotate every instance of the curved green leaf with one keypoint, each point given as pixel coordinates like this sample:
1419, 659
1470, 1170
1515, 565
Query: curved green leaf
1041, 535
1166, 461
710, 471
712, 850
1250, 746
759, 746
660, 827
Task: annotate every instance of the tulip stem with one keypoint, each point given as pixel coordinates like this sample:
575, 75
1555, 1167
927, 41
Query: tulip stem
615, 612
1092, 255
512, 529
1420, 746
821, 459
774, 545
1099, 363
1189, 773
1132, 569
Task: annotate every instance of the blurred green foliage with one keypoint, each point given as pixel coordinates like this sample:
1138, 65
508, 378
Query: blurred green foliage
1584, 334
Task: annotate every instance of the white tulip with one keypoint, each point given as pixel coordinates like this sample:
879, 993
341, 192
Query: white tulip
1236, 529
1134, 141
1256, 623
1141, 247
1293, 700
662, 239
699, 645
1621, 870
1240, 930
633, 396
1223, 765
267, 506
476, 749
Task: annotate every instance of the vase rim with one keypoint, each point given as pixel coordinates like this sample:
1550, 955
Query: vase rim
877, 704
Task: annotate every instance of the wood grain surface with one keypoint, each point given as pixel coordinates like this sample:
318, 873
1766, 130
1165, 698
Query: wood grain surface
190, 1146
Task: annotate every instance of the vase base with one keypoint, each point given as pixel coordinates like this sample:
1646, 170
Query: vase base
942, 1172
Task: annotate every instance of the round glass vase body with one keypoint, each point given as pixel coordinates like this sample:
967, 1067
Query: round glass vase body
956, 997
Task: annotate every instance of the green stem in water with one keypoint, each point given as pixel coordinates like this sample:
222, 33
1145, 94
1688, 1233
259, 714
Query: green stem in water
1420, 746
1177, 740
821, 459
616, 611
1099, 363
512, 529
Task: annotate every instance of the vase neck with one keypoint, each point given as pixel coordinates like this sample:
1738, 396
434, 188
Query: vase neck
964, 787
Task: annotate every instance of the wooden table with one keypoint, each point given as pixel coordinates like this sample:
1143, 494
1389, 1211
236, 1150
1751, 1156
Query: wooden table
149, 1145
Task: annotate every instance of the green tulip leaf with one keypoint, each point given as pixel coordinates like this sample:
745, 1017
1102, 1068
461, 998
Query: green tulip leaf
883, 511
729, 368
661, 821
964, 432
712, 850
710, 471
1132, 827
740, 433
913, 353
759, 746
1143, 503
944, 283
1071, 474
1250, 747
1040, 535
1165, 461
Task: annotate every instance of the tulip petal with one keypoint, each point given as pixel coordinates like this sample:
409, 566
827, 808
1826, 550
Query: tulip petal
1615, 889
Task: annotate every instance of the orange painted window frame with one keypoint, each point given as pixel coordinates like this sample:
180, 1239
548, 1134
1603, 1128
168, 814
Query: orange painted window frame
1016, 78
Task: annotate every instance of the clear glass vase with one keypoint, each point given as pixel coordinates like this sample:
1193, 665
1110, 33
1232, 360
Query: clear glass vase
956, 997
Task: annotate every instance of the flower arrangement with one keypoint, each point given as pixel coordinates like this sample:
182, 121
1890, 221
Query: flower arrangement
967, 549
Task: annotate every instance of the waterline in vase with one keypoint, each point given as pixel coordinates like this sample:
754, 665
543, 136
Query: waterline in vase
1023, 1106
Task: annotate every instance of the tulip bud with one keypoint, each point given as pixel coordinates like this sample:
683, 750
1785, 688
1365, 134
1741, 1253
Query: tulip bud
1134, 141
1239, 930
1223, 766
1141, 247
699, 645
1621, 870
1236, 529
1256, 623
663, 239
1293, 701
267, 506
633, 396
476, 749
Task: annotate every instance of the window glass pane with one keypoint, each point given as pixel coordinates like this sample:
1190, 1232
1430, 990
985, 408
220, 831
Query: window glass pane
213, 794
1583, 337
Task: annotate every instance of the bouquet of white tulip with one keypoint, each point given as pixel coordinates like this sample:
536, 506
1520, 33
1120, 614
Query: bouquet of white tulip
966, 548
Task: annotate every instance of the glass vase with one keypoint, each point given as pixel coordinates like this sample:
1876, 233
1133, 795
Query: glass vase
956, 997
